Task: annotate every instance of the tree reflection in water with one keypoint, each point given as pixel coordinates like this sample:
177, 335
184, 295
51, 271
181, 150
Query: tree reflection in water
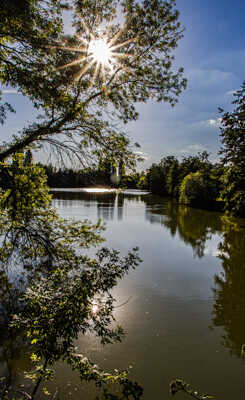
229, 291
195, 228
48, 285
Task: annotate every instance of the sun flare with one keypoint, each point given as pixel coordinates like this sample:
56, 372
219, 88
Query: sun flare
99, 53
95, 308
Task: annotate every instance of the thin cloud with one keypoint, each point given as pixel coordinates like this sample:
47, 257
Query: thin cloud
9, 91
193, 148
141, 154
231, 92
215, 122
206, 78
212, 122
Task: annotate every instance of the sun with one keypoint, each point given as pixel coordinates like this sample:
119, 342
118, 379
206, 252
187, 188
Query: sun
95, 308
100, 53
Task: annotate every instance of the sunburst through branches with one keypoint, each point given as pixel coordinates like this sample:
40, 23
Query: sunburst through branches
99, 53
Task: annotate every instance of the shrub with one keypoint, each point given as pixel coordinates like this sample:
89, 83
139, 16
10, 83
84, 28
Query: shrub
198, 190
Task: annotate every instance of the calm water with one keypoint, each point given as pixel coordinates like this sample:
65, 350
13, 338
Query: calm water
183, 308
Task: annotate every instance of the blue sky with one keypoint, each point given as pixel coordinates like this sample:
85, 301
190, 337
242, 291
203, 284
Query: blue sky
212, 53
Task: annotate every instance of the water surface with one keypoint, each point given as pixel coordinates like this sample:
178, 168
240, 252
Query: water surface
182, 308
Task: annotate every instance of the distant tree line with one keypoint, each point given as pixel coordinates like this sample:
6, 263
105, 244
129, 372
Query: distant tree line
197, 182
69, 177
104, 174
194, 181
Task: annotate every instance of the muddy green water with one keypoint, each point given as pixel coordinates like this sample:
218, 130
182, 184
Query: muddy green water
184, 307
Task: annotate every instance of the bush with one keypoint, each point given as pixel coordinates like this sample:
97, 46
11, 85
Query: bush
233, 193
198, 190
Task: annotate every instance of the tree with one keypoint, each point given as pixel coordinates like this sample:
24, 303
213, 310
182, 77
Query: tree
233, 190
198, 190
233, 156
50, 297
173, 179
81, 98
232, 131
74, 119
156, 179
157, 175
199, 162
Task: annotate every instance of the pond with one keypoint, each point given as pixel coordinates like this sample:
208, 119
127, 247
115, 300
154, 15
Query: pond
182, 308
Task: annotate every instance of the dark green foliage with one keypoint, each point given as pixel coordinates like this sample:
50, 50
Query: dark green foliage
191, 189
74, 113
51, 297
193, 181
68, 177
233, 190
195, 163
164, 178
198, 190
173, 179
27, 28
142, 181
233, 156
232, 131
156, 177
156, 180
178, 385
131, 181
96, 176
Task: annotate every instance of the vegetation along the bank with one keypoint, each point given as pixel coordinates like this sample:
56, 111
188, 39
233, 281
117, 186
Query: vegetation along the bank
49, 282
194, 180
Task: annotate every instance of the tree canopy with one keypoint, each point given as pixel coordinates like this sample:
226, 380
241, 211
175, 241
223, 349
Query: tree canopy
80, 101
233, 156
49, 284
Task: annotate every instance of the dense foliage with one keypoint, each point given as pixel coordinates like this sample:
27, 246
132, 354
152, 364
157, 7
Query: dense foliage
198, 189
233, 156
74, 116
194, 180
49, 285
65, 177
197, 182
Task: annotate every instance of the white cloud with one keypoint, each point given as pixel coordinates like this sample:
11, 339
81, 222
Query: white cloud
214, 122
141, 154
9, 91
231, 92
193, 148
214, 252
207, 78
